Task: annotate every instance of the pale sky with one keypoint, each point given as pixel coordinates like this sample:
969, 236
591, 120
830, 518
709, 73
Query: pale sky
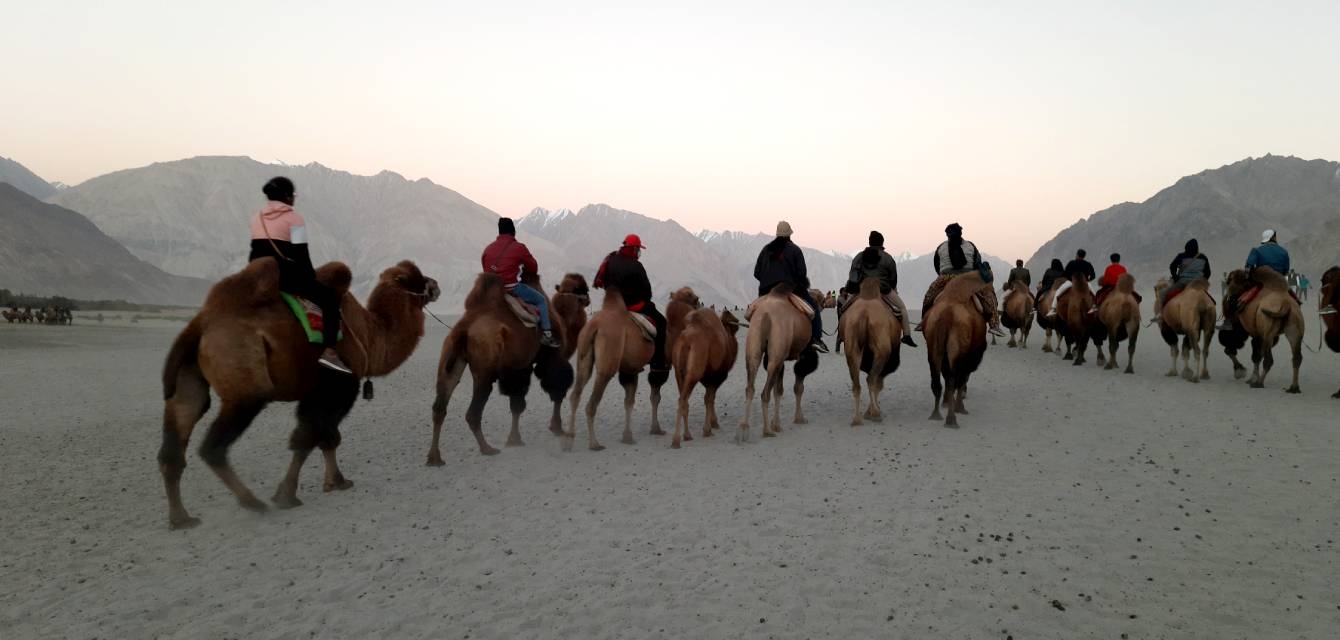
1014, 119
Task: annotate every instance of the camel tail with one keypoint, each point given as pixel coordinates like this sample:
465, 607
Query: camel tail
183, 353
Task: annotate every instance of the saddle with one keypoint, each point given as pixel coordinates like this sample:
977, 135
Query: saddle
796, 301
309, 316
1250, 294
644, 323
528, 314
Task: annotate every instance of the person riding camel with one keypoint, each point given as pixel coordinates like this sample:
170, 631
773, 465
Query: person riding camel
781, 260
621, 270
1018, 274
1054, 271
279, 232
1078, 266
1267, 254
875, 262
1108, 281
954, 257
506, 258
1189, 266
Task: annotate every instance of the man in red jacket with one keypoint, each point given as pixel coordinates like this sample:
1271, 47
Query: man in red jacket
506, 257
1106, 283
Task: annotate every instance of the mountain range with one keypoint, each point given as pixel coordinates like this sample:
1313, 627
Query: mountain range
26, 181
1225, 210
50, 250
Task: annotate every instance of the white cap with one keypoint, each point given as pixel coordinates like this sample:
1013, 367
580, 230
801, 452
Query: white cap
1267, 235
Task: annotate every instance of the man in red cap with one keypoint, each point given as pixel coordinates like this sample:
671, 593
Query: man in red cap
621, 270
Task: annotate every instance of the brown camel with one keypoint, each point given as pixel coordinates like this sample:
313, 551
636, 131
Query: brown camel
1267, 316
1119, 319
872, 333
1075, 321
611, 344
1329, 295
1049, 324
682, 302
778, 332
1017, 314
824, 300
497, 347
569, 303
1190, 315
955, 343
704, 352
246, 345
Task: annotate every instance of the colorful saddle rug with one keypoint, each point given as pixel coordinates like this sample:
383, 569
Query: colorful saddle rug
309, 316
528, 314
1250, 294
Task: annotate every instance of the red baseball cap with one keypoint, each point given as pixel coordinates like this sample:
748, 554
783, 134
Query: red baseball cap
631, 240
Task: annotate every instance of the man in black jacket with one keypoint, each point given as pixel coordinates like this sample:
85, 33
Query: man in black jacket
622, 271
875, 262
781, 261
1078, 266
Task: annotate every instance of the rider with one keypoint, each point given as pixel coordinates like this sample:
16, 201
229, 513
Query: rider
622, 271
1078, 266
1054, 271
875, 262
1018, 274
1108, 281
782, 261
506, 257
279, 232
1267, 254
954, 257
1189, 265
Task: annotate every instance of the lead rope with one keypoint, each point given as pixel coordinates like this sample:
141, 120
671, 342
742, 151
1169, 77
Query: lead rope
367, 359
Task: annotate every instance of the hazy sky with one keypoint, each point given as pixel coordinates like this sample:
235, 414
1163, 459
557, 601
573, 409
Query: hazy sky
1015, 119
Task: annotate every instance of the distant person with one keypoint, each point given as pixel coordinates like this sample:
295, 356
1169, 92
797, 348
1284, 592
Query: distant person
1267, 255
781, 261
622, 271
955, 257
875, 262
1303, 284
1076, 267
279, 232
1187, 267
1049, 277
1018, 274
507, 258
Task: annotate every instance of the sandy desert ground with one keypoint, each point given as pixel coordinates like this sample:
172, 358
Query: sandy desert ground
1072, 503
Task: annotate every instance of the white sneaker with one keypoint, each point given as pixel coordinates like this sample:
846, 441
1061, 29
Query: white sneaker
547, 339
331, 360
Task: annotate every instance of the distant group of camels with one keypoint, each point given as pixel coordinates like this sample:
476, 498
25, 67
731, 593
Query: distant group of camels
47, 315
246, 346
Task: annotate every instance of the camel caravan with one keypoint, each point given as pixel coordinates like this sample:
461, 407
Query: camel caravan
49, 315
281, 330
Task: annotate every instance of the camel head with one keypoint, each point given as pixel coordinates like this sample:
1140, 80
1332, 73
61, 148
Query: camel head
686, 296
731, 323
575, 284
1329, 291
1238, 281
406, 277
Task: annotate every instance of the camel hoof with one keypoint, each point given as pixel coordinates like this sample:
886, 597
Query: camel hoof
1171, 373
951, 424
656, 430
514, 442
1068, 356
800, 420
856, 422
1336, 395
567, 442
286, 502
627, 439
769, 434
936, 416
1129, 370
1293, 389
1239, 373
674, 444
1077, 362
707, 433
1205, 376
190, 522
596, 447
488, 450
339, 485
1257, 385
250, 503
435, 461
556, 430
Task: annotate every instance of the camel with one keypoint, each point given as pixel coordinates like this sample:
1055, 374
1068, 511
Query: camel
12, 314
779, 332
610, 344
246, 345
872, 333
824, 300
1017, 314
1119, 319
955, 343
1272, 313
497, 347
571, 298
1047, 323
1329, 295
1190, 315
1073, 320
682, 302
704, 352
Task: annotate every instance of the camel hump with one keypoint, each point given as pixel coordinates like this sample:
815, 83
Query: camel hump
336, 276
1199, 284
782, 289
870, 288
256, 283
1126, 283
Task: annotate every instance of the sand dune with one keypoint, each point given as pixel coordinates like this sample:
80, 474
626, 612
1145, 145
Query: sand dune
1073, 502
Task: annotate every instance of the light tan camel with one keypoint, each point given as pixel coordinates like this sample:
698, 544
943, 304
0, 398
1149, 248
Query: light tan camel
955, 343
1016, 314
704, 352
498, 348
824, 300
1119, 315
1269, 315
778, 332
1191, 316
611, 344
682, 302
246, 345
872, 333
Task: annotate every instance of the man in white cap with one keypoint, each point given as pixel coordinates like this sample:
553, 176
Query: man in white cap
1267, 254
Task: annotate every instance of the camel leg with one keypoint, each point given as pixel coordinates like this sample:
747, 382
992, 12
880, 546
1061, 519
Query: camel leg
181, 412
517, 402
854, 370
597, 392
1208, 334
474, 415
233, 419
447, 380
1294, 333
797, 390
1013, 341
629, 384
936, 390
1047, 341
1239, 371
555, 420
1259, 354
751, 374
874, 382
1187, 360
1132, 333
710, 422
319, 415
656, 429
585, 364
952, 389
686, 384
777, 384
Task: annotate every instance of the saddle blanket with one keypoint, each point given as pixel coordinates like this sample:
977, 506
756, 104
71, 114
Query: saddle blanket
796, 301
527, 314
644, 323
308, 315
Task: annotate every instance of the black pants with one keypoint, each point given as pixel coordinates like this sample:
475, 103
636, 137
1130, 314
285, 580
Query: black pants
658, 320
326, 298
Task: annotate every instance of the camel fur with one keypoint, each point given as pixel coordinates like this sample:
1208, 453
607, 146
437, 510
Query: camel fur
611, 344
955, 334
1016, 314
1271, 314
705, 351
1075, 321
1189, 316
682, 302
1119, 319
872, 333
779, 332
